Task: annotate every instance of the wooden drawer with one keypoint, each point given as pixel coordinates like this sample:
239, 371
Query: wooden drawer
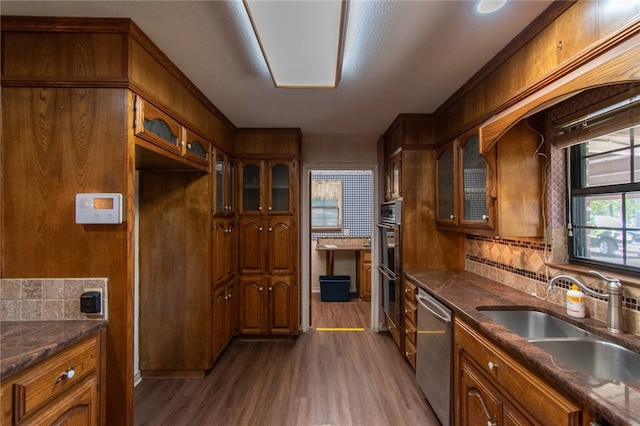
536, 397
410, 353
47, 379
410, 311
410, 330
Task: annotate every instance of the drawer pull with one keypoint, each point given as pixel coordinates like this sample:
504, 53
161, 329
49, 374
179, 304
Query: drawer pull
491, 420
492, 366
68, 375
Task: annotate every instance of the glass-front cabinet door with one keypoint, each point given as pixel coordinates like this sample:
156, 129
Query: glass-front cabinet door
223, 184
474, 174
446, 182
251, 184
279, 187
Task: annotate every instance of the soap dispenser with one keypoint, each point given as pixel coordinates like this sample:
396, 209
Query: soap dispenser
575, 302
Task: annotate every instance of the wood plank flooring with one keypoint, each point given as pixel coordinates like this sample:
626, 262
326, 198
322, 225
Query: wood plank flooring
320, 378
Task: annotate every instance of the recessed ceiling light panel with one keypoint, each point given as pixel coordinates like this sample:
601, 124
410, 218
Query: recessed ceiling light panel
490, 6
300, 40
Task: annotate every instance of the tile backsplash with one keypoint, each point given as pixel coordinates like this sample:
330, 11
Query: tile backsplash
48, 299
523, 265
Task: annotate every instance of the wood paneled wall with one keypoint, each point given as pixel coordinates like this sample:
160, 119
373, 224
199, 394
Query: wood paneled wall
58, 142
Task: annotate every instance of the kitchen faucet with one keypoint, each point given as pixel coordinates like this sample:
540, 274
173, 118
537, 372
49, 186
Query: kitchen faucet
614, 296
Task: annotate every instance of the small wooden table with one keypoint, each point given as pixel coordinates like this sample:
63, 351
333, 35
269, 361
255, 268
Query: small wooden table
330, 249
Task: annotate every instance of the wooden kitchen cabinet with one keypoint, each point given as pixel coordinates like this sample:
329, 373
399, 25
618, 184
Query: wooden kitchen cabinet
157, 131
268, 186
224, 316
489, 385
410, 320
223, 185
268, 305
64, 388
393, 177
224, 256
364, 275
267, 246
521, 160
465, 183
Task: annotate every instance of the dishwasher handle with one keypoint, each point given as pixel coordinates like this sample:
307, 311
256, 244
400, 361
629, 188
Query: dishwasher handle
432, 306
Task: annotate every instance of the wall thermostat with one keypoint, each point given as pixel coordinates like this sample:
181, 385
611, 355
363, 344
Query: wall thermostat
99, 208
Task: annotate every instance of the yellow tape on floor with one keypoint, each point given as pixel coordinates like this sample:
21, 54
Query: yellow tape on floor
339, 329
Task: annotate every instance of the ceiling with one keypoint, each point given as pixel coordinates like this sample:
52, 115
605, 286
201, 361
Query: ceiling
399, 57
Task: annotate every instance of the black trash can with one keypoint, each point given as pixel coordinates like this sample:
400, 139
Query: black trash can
335, 288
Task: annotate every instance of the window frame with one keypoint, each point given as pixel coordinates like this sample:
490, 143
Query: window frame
578, 189
338, 226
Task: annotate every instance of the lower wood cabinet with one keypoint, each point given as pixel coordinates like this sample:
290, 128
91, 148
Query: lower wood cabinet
364, 275
63, 389
224, 315
491, 388
268, 305
410, 320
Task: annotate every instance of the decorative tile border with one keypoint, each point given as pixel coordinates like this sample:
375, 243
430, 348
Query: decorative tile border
37, 299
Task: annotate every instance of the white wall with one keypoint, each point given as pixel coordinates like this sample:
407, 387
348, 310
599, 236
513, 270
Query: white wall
355, 152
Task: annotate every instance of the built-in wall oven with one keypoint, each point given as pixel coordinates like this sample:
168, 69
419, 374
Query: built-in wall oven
390, 265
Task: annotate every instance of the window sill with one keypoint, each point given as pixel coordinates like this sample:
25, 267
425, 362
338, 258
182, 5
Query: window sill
626, 279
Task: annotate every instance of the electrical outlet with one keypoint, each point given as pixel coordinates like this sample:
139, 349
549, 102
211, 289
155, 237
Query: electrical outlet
92, 301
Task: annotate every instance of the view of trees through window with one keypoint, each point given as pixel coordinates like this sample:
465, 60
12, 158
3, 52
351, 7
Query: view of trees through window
605, 199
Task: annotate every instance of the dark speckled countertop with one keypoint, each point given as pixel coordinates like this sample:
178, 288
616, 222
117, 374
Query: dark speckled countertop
24, 343
464, 292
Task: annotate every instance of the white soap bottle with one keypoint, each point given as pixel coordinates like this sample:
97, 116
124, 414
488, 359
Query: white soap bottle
575, 302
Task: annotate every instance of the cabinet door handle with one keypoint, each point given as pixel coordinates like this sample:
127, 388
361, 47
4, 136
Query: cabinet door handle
490, 419
68, 375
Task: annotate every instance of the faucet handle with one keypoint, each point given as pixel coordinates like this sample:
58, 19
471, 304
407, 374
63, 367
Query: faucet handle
604, 277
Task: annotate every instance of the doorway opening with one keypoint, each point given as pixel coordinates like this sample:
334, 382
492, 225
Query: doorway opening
339, 242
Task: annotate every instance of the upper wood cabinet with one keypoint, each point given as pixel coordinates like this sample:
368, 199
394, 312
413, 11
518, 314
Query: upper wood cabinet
223, 185
268, 186
393, 177
521, 159
159, 132
465, 182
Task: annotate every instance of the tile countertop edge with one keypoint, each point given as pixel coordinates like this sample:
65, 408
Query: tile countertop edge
25, 343
464, 291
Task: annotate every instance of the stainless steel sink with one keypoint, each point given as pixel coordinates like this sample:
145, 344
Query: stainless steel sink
535, 324
598, 358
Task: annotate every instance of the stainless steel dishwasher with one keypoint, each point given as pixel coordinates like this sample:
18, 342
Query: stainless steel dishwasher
433, 360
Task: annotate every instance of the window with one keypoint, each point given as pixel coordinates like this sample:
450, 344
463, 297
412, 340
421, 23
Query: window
604, 201
326, 205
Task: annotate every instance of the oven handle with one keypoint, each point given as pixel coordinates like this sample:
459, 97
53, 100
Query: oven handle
385, 272
444, 316
386, 226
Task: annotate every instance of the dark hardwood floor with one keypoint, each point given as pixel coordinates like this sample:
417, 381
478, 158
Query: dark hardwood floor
320, 378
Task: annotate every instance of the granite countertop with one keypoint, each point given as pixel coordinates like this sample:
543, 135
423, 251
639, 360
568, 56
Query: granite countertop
464, 292
24, 343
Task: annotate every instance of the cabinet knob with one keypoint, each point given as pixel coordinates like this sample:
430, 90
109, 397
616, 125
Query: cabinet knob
270, 288
408, 290
270, 208
229, 296
189, 145
183, 143
67, 375
407, 331
260, 208
485, 217
260, 229
451, 217
260, 289
492, 366
406, 311
270, 229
